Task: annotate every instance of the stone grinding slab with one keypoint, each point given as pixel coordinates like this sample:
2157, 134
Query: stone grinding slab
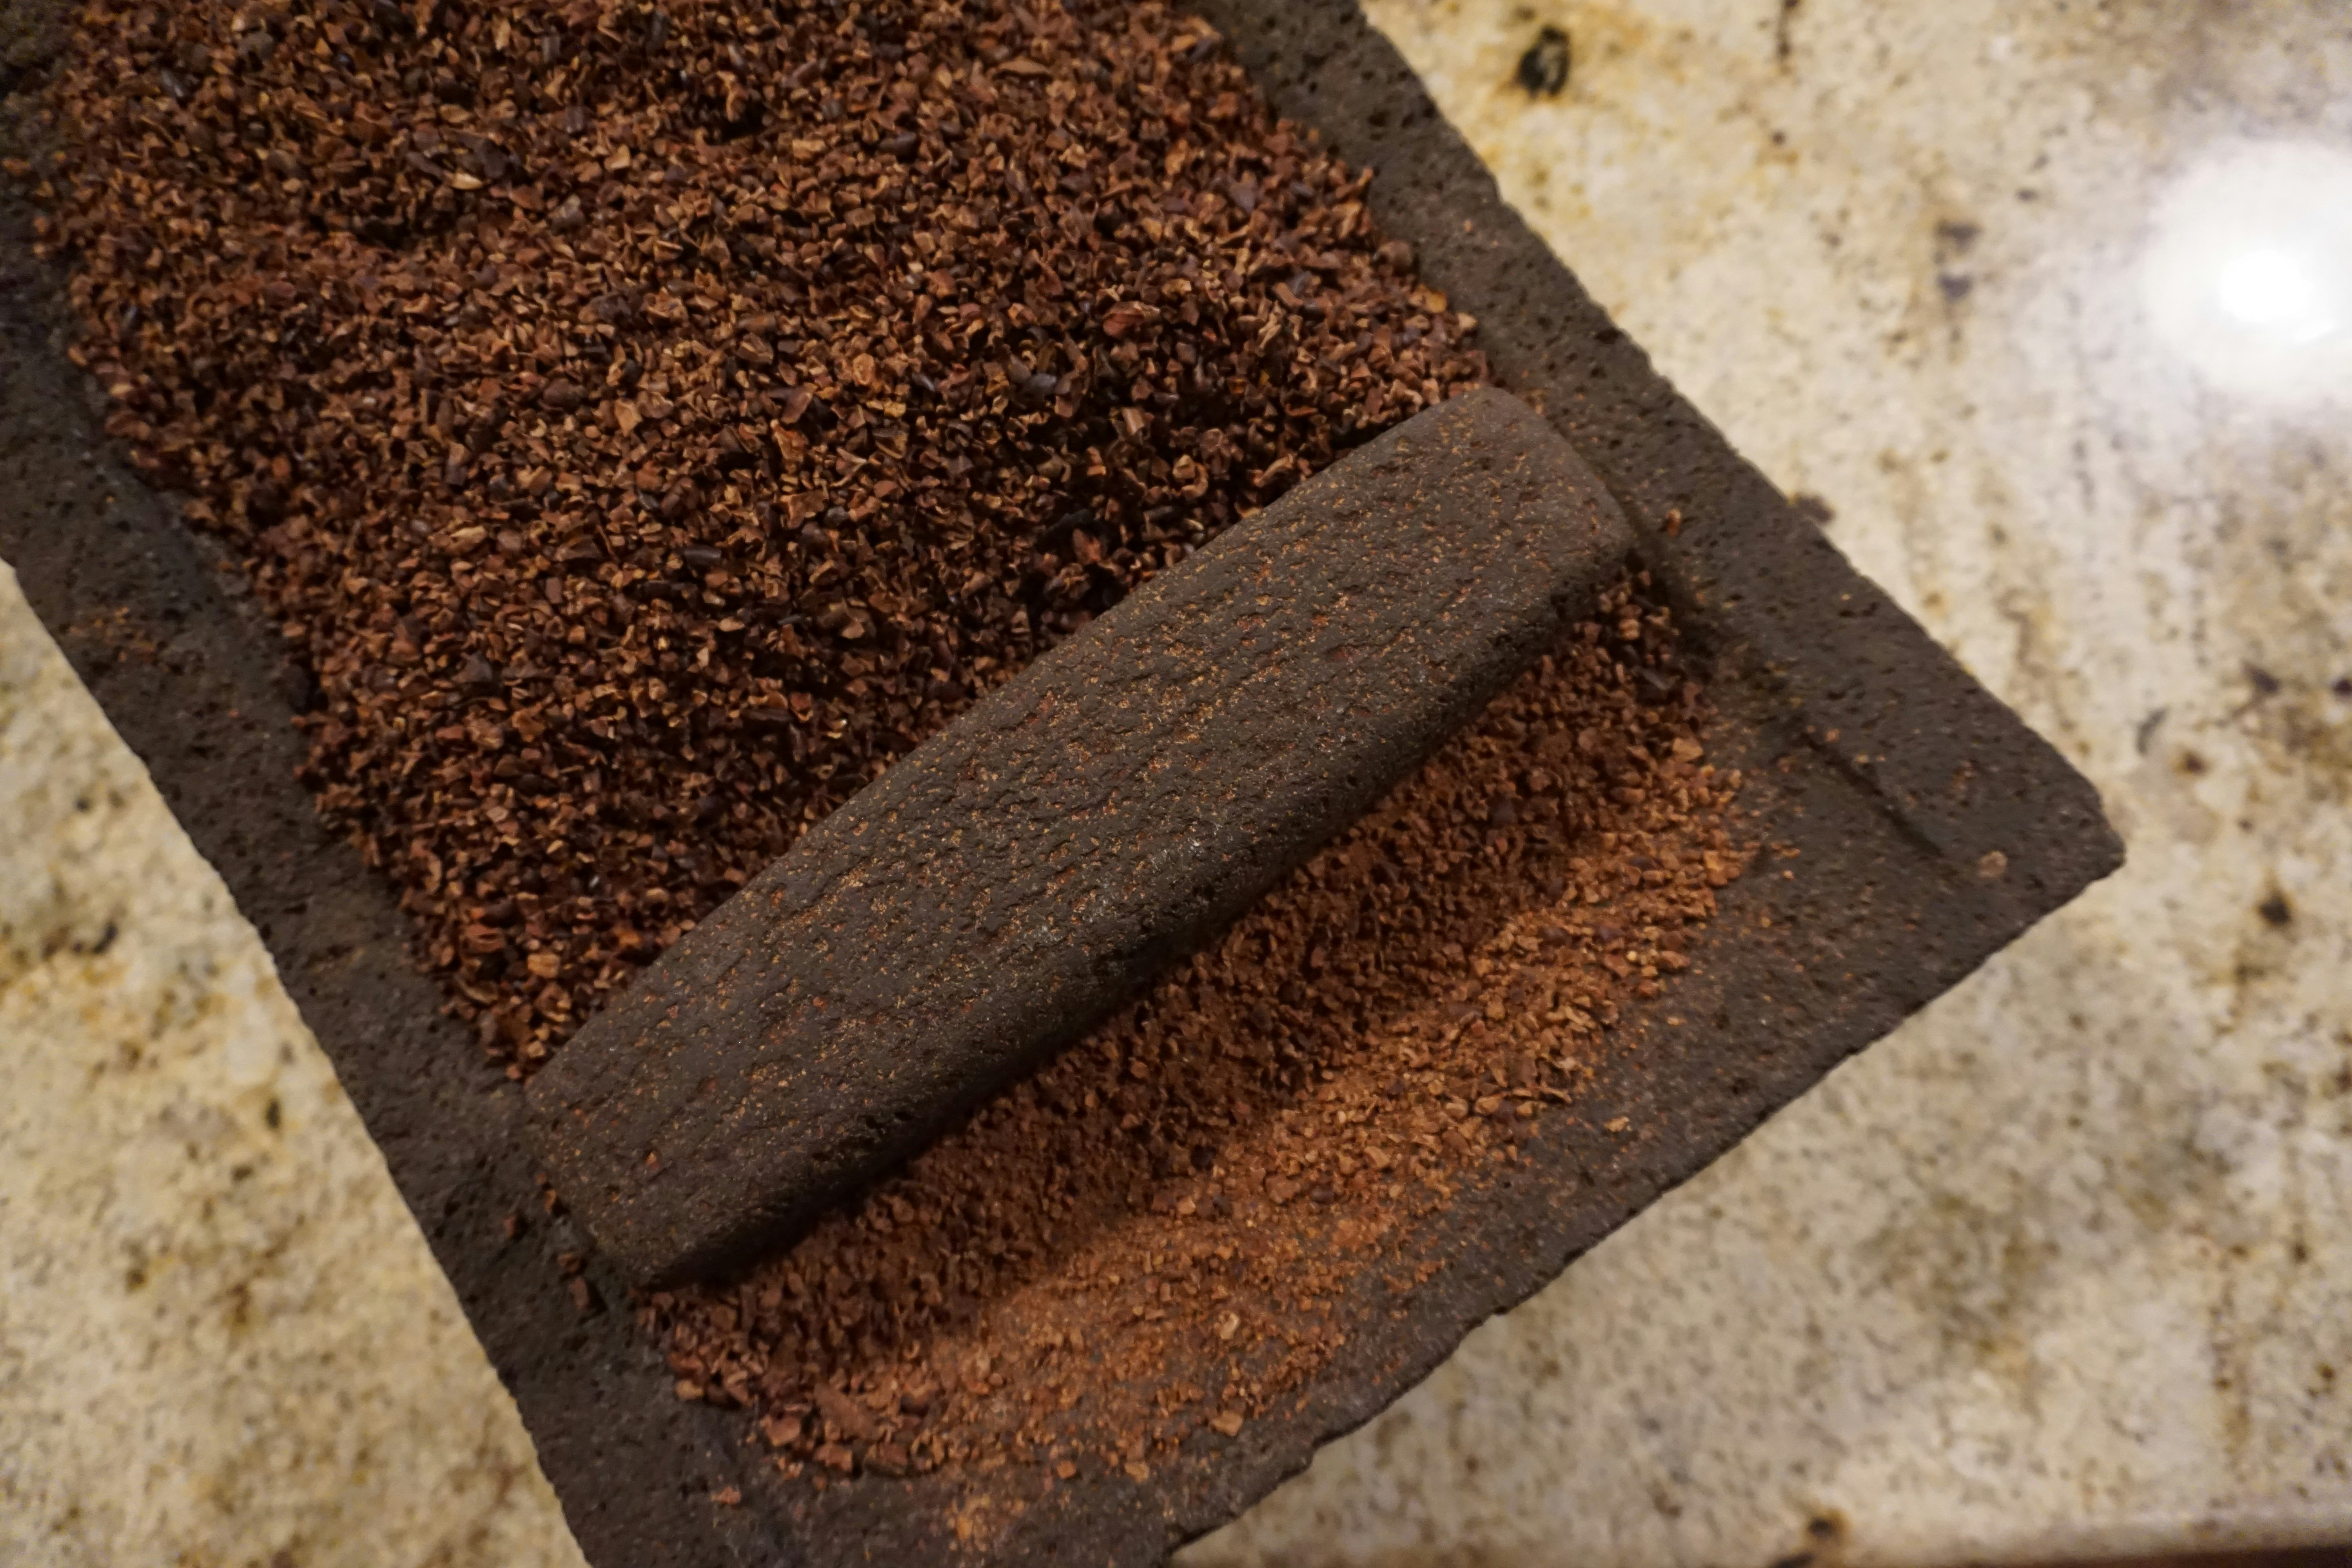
1895, 876
1010, 881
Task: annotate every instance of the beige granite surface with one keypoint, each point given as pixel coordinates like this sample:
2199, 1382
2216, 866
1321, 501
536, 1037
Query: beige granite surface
223, 1343
2064, 1265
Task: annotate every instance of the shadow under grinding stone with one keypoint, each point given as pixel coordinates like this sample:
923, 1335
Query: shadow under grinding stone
1004, 886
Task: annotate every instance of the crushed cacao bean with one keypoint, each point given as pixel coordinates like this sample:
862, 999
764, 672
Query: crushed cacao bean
644, 425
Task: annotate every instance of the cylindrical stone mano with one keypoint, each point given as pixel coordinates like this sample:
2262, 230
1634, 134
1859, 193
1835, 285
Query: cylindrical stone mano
1000, 888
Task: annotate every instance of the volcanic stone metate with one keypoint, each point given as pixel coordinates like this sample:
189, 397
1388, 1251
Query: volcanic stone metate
1881, 889
997, 892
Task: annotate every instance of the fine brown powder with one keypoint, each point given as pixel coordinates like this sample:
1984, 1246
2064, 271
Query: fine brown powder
1151, 1236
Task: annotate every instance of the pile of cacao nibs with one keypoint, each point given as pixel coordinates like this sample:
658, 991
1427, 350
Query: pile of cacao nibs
645, 422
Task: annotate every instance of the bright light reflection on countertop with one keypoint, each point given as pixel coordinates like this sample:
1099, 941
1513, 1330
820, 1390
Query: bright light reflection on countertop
2272, 288
2248, 274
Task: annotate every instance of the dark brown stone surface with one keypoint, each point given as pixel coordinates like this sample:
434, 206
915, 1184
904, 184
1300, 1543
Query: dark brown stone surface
1885, 905
1000, 888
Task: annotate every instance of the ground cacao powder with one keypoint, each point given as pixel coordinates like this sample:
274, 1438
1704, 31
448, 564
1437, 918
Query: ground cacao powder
1151, 1236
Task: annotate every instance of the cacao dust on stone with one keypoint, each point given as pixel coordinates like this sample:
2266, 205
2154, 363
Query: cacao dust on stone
643, 424
646, 424
1153, 1235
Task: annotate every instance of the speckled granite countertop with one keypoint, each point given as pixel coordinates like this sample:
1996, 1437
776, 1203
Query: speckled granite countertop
2064, 1265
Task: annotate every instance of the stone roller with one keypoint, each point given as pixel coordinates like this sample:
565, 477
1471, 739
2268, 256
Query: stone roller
1003, 886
